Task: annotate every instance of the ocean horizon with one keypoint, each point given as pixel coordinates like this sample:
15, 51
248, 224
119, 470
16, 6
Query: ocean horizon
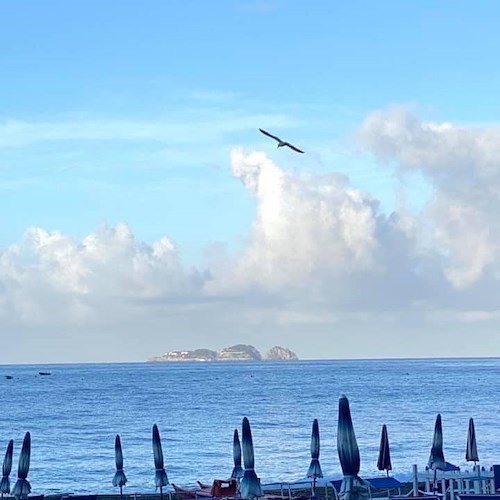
74, 414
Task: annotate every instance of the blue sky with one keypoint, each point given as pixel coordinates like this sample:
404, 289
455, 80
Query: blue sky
117, 111
322, 69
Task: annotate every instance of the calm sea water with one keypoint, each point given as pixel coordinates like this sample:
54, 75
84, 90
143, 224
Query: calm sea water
74, 414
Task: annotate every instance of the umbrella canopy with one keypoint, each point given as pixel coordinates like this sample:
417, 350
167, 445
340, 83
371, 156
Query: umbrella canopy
384, 452
238, 469
436, 458
353, 487
120, 479
161, 478
22, 488
6, 469
471, 453
315, 468
250, 484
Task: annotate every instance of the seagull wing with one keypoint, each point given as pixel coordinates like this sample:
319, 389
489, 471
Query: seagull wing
291, 146
270, 135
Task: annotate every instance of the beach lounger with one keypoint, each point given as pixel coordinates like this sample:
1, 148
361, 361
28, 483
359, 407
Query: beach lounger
204, 486
221, 488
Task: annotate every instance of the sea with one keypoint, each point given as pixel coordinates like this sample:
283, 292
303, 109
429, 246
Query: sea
74, 414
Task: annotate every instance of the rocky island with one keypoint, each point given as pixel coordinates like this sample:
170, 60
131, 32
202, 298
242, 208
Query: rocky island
238, 352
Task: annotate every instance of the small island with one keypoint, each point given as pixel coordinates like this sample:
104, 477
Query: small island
238, 352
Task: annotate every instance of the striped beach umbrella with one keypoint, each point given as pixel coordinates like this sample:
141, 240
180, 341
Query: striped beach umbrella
353, 487
6, 469
161, 478
314, 470
250, 484
384, 452
238, 469
471, 453
22, 488
119, 479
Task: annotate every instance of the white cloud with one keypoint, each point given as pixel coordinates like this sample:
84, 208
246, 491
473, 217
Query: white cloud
321, 269
463, 165
306, 226
81, 277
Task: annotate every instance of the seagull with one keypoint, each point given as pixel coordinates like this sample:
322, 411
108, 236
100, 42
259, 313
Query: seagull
280, 142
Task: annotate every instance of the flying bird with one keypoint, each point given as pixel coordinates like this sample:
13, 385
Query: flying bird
280, 142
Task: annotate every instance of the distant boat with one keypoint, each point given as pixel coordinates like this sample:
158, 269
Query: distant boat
8, 377
44, 373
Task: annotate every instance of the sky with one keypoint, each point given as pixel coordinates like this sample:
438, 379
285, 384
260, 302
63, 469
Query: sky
141, 210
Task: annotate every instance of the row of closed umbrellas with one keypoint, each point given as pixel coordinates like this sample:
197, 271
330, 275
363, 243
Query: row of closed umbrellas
353, 487
22, 488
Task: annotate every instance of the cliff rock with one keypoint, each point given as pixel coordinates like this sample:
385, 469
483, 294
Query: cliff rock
240, 352
278, 353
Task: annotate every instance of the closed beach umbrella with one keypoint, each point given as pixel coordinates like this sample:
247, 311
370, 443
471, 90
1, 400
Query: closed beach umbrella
471, 453
120, 479
353, 487
250, 484
238, 469
6, 469
384, 452
436, 458
161, 479
22, 488
315, 468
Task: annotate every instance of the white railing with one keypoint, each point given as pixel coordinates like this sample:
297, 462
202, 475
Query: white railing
452, 483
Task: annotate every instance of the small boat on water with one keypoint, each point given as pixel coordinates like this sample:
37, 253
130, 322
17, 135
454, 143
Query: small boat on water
8, 377
44, 373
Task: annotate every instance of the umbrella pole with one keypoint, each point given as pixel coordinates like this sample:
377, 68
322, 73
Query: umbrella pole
161, 492
121, 494
314, 487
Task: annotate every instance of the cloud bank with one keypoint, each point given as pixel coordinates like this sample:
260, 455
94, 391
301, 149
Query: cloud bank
322, 271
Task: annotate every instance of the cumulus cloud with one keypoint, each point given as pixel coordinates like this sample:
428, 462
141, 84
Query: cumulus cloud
306, 225
462, 163
320, 261
59, 279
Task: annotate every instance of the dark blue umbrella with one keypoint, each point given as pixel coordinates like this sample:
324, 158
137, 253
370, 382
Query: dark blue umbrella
238, 469
315, 468
384, 452
436, 458
353, 487
120, 479
471, 453
6, 469
161, 478
250, 484
22, 488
